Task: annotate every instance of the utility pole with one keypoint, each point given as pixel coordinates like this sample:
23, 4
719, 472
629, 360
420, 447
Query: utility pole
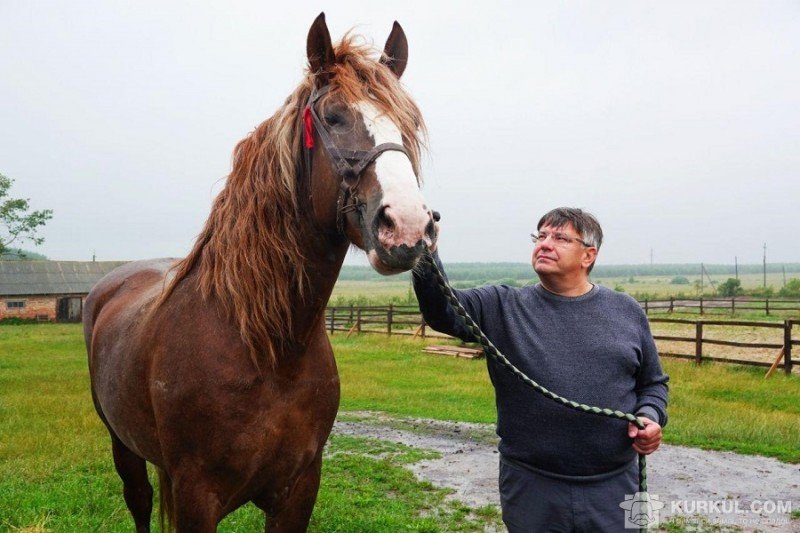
710, 281
765, 266
736, 266
702, 269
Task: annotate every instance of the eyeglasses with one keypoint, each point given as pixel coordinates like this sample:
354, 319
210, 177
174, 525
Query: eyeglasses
559, 239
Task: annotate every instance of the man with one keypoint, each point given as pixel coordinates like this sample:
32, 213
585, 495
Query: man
560, 469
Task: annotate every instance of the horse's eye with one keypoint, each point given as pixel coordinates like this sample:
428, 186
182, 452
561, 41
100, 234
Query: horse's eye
333, 119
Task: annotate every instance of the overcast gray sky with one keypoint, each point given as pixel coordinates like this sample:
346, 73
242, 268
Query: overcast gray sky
676, 123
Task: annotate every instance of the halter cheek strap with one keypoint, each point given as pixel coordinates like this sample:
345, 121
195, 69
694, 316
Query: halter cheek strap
350, 173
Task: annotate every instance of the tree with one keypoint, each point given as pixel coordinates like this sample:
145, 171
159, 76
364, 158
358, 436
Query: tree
16, 223
21, 253
731, 287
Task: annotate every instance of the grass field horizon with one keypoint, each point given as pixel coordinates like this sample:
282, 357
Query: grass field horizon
399, 290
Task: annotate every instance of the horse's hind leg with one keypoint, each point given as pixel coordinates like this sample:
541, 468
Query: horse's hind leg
136, 487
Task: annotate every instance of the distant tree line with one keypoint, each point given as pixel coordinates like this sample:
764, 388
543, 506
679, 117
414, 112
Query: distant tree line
18, 254
522, 273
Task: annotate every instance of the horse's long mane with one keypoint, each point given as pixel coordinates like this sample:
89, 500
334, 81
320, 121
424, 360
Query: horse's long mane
249, 256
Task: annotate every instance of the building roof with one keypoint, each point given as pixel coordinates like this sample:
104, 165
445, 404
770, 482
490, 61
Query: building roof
29, 278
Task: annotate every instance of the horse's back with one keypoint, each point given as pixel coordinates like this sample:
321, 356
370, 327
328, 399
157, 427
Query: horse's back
130, 277
131, 286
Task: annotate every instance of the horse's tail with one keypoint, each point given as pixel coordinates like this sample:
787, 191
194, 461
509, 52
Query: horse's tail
166, 515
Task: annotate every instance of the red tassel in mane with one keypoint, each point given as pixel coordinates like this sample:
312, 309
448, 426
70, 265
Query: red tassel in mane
308, 128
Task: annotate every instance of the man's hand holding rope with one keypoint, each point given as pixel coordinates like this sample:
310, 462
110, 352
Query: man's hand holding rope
647, 440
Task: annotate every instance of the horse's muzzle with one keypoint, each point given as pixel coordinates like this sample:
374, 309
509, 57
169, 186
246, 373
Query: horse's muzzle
398, 259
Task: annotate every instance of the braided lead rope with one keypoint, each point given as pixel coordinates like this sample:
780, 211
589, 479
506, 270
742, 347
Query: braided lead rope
495, 354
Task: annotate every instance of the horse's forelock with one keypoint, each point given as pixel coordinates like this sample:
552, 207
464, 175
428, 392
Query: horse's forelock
357, 76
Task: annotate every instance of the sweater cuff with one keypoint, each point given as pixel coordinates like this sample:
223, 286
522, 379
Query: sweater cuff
649, 411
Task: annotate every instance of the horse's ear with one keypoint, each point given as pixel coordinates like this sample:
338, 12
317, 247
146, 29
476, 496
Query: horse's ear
319, 48
395, 53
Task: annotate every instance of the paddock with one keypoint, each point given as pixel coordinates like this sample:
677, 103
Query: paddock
56, 474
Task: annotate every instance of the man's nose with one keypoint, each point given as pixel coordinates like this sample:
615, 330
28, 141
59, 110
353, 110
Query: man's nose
546, 243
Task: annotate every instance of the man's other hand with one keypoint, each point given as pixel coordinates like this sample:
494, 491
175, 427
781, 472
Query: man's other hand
647, 440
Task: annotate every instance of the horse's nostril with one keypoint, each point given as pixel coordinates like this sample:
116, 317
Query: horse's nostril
436, 216
385, 218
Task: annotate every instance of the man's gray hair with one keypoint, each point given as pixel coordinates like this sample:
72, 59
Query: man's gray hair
584, 223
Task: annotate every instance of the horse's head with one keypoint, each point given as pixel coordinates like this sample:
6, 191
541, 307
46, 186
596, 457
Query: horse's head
361, 139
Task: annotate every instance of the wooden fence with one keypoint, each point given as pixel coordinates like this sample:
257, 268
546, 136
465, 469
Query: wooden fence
720, 305
388, 320
406, 320
699, 340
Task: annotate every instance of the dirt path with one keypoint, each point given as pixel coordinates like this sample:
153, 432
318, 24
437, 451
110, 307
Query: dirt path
682, 478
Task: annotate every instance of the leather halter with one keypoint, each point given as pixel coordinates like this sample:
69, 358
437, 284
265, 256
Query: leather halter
348, 164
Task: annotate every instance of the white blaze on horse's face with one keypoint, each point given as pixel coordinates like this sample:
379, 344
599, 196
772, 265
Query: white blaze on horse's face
403, 204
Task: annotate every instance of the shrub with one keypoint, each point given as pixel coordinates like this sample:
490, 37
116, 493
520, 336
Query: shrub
761, 292
680, 280
792, 288
17, 321
731, 287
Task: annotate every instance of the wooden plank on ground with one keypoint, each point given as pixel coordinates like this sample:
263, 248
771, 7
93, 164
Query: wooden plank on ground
775, 364
457, 351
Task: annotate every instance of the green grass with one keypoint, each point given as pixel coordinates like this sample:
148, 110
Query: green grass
695, 524
383, 292
394, 376
728, 407
55, 461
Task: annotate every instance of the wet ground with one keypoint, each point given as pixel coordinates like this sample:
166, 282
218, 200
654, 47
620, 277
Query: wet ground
703, 486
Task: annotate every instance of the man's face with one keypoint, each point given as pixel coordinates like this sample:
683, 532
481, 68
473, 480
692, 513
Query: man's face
553, 256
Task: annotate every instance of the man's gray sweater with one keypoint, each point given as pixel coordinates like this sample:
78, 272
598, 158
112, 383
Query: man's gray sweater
595, 349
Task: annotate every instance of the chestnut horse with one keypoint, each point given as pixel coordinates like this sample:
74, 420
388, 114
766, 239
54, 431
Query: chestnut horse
217, 368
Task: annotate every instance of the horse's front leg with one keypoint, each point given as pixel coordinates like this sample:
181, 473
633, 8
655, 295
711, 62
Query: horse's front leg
195, 504
293, 513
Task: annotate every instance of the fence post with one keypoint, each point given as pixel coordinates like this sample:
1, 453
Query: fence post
422, 330
333, 318
766, 306
698, 342
671, 303
358, 320
646, 308
351, 314
701, 305
389, 314
787, 347
733, 306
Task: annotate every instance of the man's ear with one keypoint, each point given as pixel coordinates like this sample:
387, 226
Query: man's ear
589, 257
